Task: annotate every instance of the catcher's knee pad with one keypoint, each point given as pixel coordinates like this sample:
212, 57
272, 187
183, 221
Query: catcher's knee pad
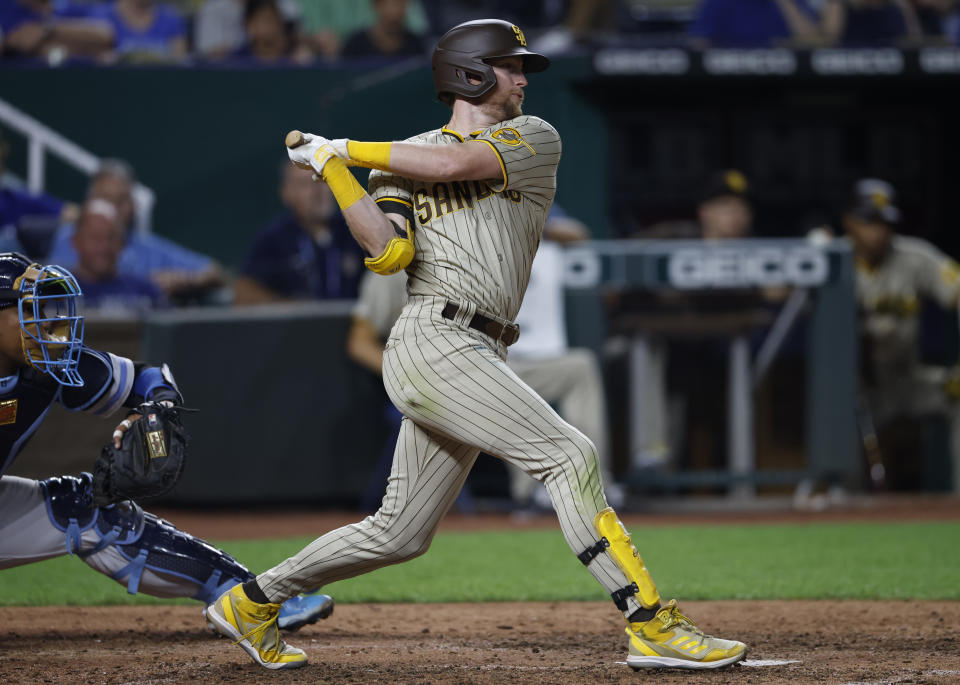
615, 540
69, 501
162, 560
135, 547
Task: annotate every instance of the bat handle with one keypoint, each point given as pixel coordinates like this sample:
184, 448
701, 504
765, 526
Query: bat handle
295, 139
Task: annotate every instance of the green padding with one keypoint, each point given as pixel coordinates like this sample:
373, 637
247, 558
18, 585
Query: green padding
284, 415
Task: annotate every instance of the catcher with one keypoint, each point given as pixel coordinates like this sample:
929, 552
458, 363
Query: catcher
43, 361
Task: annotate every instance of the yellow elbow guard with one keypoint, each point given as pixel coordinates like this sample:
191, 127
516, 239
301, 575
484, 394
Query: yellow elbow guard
615, 539
395, 256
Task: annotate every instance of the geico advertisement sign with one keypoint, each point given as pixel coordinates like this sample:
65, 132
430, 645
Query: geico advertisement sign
738, 268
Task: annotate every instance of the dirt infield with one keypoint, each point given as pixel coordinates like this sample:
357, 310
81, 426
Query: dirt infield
499, 643
563, 643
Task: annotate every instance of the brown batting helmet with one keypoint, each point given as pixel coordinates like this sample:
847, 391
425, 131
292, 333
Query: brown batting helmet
465, 48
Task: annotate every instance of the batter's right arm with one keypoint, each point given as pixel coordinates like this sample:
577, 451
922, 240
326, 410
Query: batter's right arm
471, 161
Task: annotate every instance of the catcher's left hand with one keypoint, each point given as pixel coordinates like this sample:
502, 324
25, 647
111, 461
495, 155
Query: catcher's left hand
145, 457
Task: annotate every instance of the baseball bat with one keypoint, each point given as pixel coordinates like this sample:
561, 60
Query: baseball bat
295, 139
871, 446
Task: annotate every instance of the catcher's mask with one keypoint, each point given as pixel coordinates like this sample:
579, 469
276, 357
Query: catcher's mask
463, 50
51, 330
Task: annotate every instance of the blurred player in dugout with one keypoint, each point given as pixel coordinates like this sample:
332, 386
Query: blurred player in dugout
908, 399
668, 422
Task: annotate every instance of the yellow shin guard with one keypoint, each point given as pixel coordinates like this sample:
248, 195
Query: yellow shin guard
615, 539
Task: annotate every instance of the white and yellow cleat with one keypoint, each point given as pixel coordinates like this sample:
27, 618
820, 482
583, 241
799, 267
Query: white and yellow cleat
254, 627
671, 640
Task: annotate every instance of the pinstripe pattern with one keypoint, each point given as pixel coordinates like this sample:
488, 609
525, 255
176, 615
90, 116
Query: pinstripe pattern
451, 382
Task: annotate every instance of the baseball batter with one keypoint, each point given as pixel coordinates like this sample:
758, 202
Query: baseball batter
472, 196
43, 361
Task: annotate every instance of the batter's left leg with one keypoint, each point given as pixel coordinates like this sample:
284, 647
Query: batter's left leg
428, 471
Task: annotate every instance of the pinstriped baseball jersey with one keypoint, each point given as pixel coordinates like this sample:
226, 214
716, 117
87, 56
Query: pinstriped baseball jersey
475, 240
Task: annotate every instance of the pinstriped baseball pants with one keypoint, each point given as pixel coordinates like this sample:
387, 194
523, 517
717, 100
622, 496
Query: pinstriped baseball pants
459, 398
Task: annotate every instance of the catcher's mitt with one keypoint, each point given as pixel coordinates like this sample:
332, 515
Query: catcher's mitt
149, 461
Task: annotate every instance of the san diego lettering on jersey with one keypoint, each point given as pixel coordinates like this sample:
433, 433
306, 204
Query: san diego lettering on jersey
442, 198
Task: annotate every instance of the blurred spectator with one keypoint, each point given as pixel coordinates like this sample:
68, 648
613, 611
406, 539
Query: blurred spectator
894, 273
50, 30
388, 36
99, 239
328, 24
183, 275
307, 253
936, 19
144, 30
583, 21
218, 26
22, 211
532, 16
270, 38
753, 24
870, 23
951, 26
569, 378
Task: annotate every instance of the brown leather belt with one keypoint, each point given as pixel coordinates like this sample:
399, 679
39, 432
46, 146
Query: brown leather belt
505, 333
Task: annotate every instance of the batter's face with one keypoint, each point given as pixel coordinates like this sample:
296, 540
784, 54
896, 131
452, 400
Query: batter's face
505, 100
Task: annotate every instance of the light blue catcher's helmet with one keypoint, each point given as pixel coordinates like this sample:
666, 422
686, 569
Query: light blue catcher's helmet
51, 330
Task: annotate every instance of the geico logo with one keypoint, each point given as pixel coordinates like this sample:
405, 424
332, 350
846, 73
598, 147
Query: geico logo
733, 268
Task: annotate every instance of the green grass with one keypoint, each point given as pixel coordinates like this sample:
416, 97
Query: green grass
842, 561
